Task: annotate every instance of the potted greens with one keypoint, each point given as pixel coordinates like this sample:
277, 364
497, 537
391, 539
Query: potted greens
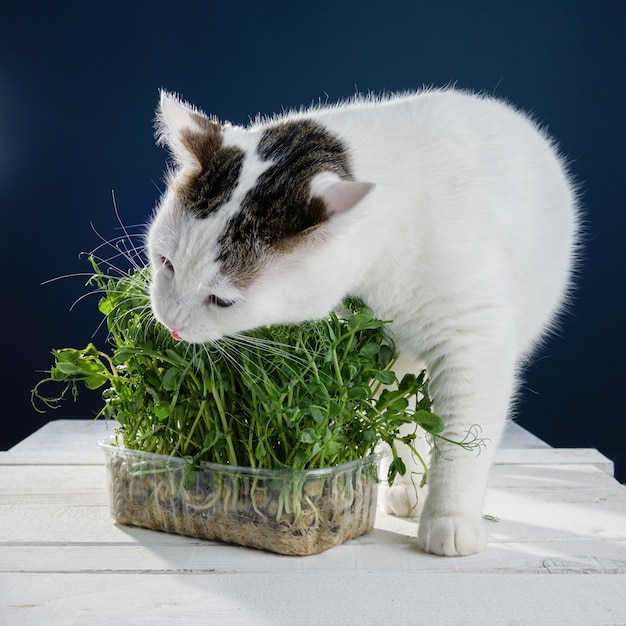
268, 439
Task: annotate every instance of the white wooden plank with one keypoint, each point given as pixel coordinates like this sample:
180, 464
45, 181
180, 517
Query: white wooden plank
87, 457
28, 481
375, 553
66, 435
515, 436
588, 564
335, 599
57, 523
554, 456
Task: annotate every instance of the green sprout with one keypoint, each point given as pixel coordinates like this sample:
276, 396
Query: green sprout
297, 397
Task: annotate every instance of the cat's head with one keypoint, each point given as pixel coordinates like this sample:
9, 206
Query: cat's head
249, 231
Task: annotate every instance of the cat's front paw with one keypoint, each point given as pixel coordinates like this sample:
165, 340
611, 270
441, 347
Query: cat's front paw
403, 499
452, 535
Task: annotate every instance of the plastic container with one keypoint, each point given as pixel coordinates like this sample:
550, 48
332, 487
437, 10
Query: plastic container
289, 512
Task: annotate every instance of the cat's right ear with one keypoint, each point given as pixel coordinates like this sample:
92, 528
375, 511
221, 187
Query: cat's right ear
339, 196
175, 121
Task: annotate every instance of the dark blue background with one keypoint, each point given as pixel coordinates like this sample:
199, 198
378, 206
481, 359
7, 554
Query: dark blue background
78, 87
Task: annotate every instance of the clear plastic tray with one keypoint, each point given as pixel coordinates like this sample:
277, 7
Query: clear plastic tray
289, 512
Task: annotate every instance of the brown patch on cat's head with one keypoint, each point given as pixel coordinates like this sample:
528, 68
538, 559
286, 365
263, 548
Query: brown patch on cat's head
203, 191
278, 213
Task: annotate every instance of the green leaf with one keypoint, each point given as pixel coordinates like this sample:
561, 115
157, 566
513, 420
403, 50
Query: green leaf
67, 355
370, 350
332, 448
398, 405
95, 381
359, 321
69, 369
177, 358
171, 379
317, 413
105, 306
162, 410
360, 392
308, 435
317, 448
429, 421
396, 466
370, 436
385, 356
384, 376
318, 392
333, 410
408, 381
350, 372
220, 444
123, 354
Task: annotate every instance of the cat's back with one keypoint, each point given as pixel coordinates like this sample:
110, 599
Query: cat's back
430, 115
446, 128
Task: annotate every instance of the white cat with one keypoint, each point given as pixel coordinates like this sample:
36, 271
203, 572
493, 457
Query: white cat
449, 213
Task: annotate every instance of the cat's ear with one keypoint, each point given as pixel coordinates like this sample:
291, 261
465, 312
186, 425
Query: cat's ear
175, 121
337, 194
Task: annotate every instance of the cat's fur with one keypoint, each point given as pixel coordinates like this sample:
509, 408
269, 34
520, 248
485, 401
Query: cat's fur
449, 213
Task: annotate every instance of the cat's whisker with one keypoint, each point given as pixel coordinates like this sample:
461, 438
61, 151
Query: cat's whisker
99, 326
144, 310
251, 354
65, 276
124, 245
269, 347
227, 350
210, 354
107, 264
135, 258
84, 296
120, 253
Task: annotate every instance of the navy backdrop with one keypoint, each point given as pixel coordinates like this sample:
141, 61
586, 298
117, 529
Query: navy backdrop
78, 87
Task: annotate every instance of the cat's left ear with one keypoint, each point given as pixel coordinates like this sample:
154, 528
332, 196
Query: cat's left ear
338, 195
174, 121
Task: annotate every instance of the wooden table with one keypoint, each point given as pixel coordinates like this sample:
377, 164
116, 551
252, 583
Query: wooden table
556, 555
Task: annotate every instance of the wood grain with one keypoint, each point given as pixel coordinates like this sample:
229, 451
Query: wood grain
556, 554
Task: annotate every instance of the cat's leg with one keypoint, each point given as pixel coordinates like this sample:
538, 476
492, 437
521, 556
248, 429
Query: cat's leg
472, 381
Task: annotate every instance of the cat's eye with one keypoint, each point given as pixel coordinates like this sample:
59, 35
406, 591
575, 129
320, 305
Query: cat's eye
166, 263
213, 300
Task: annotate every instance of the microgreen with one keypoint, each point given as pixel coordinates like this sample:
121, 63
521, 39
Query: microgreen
312, 395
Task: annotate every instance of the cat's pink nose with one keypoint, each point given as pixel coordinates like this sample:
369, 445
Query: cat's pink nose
176, 335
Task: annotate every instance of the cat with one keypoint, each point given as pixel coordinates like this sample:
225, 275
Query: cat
450, 213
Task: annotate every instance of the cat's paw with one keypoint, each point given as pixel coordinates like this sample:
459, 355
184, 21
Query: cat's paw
453, 535
403, 500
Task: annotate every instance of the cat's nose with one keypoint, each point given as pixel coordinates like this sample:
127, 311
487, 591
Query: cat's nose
176, 335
